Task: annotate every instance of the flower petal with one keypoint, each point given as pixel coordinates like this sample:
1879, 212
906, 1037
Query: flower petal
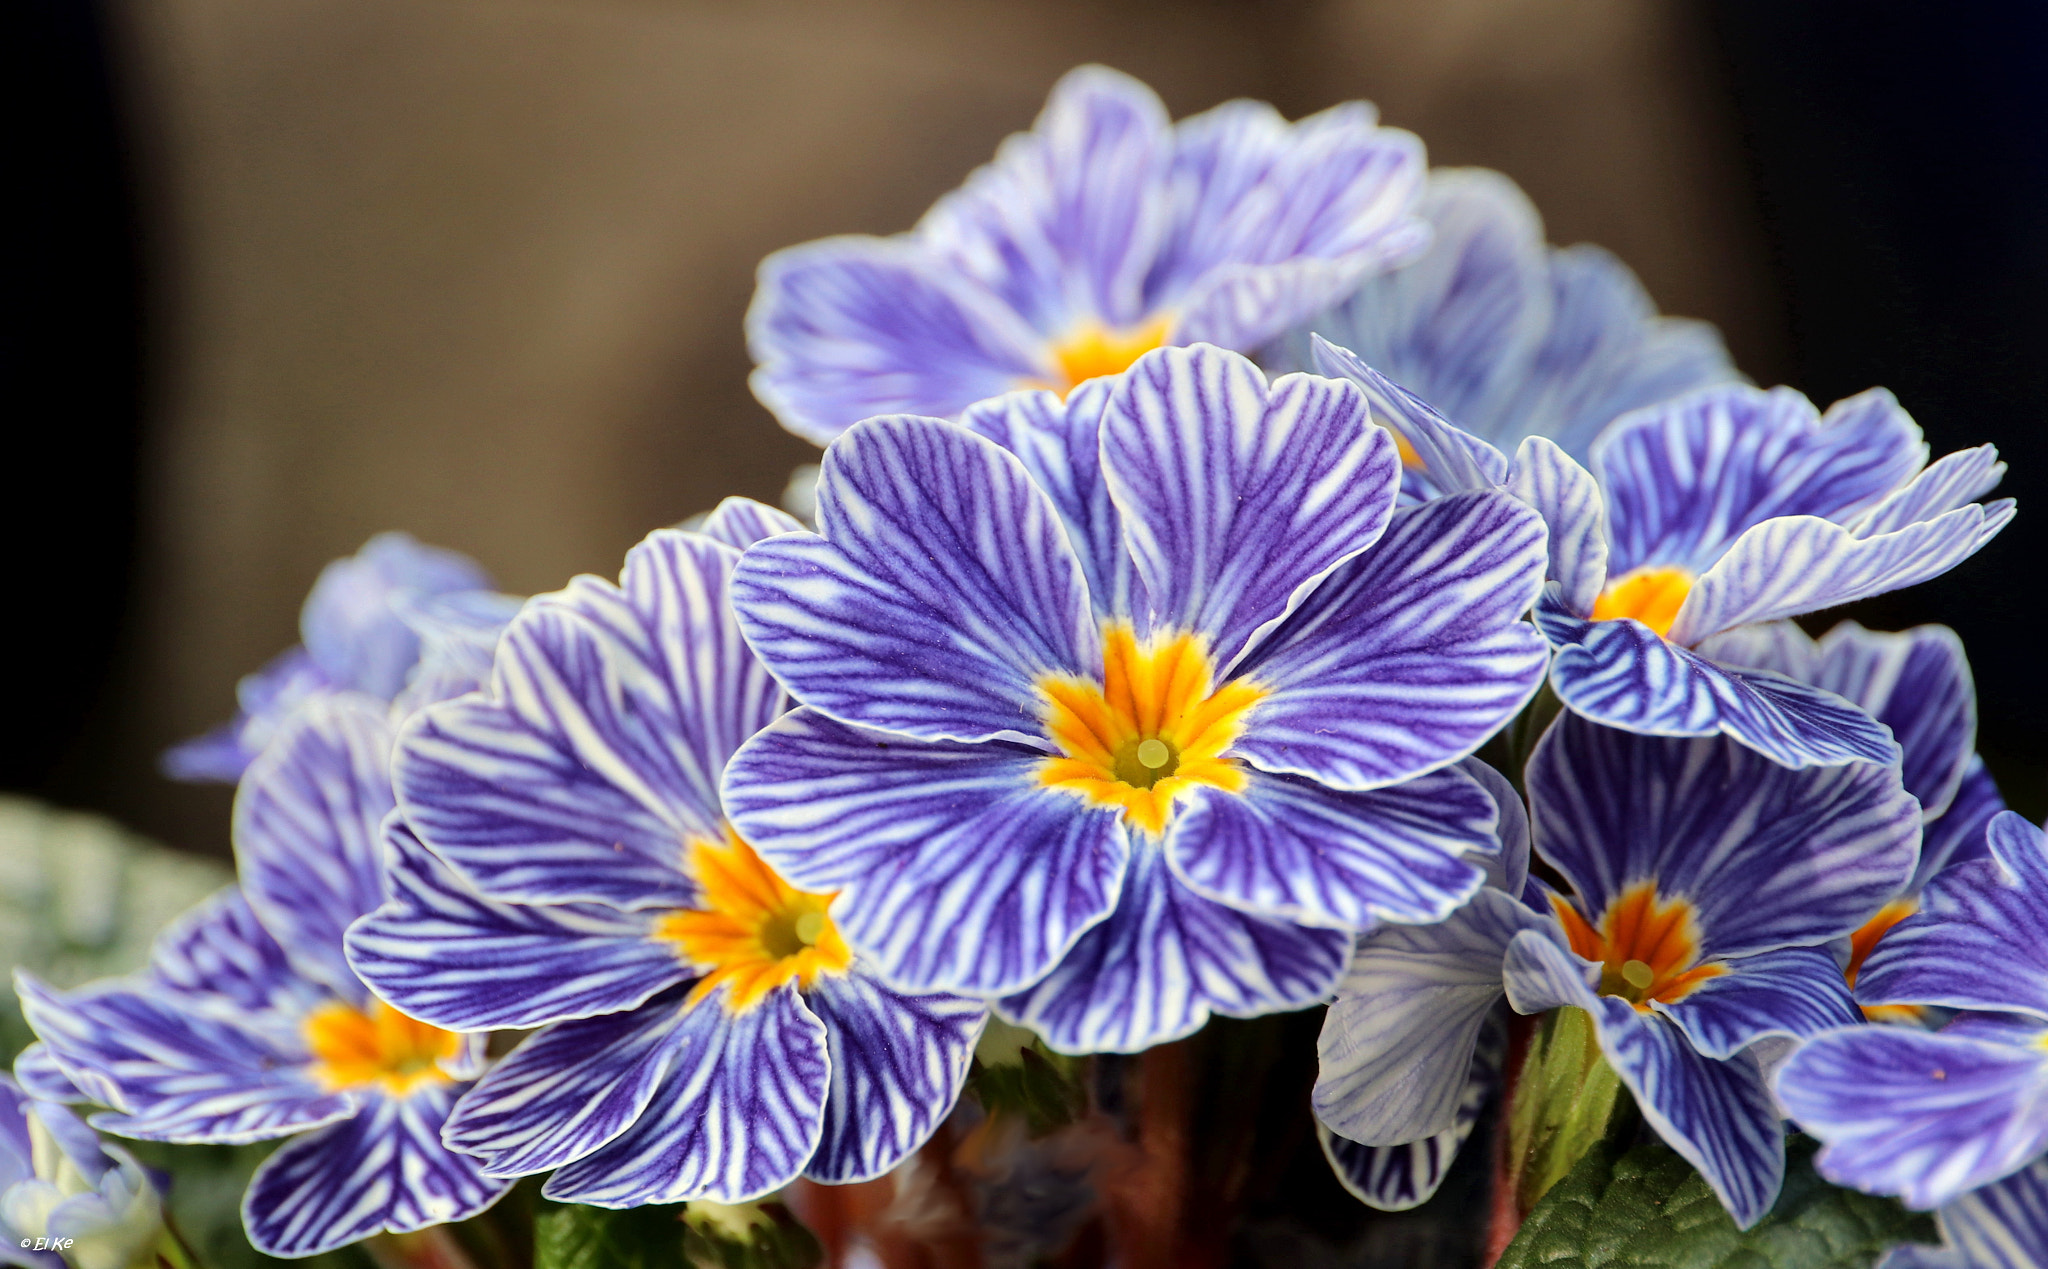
1165, 960
2003, 1225
955, 869
177, 1071
1408, 657
306, 828
1399, 1039
737, 1116
741, 522
1794, 991
220, 949
445, 954
1568, 498
1507, 869
1960, 833
847, 328
349, 626
1059, 443
1288, 847
1396, 1178
38, 1073
898, 1063
1686, 478
1717, 1114
1951, 481
599, 750
1980, 938
573, 1086
1452, 459
1622, 674
1236, 498
1926, 1117
383, 1171
1799, 564
942, 591
1768, 856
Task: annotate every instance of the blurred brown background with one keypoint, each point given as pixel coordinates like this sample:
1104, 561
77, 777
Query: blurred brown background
476, 269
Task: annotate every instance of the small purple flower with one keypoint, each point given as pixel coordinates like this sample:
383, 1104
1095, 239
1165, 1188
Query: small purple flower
250, 1025
565, 863
1932, 1116
1126, 708
1723, 508
59, 1184
1705, 882
1104, 232
396, 618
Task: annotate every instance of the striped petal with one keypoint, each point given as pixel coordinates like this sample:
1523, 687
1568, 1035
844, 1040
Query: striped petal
1799, 564
898, 1063
219, 948
573, 1086
1622, 674
1794, 991
1980, 938
37, 1071
1452, 459
942, 589
444, 953
612, 713
1925, 1117
1717, 1114
1059, 443
1507, 868
1408, 657
1236, 498
1686, 478
1951, 481
847, 328
1568, 498
2003, 1225
1396, 1178
1288, 847
1961, 833
955, 869
741, 522
1399, 1039
738, 1114
176, 1071
383, 1171
1165, 960
1768, 856
307, 831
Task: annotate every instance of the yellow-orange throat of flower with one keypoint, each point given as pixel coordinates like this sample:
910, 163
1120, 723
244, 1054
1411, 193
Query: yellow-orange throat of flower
357, 1048
1652, 596
1648, 947
755, 932
1092, 351
1155, 727
1864, 941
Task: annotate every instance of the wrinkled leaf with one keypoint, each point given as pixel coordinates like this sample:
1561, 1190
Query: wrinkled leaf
1646, 1208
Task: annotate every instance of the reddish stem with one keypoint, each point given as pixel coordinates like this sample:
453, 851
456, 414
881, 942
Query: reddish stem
1504, 1219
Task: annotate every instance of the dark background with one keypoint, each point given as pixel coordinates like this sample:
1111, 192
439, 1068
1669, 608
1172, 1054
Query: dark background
285, 274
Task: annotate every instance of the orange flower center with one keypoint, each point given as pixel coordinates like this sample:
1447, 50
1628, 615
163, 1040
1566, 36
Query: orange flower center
1864, 941
356, 1048
1155, 727
1652, 596
1092, 351
1648, 947
754, 932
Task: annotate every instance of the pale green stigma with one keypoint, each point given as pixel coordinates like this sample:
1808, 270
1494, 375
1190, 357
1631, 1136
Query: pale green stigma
1154, 754
809, 927
1638, 975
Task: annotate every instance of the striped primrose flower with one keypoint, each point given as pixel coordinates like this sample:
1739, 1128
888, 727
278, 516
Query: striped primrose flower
1126, 709
1705, 885
1104, 232
250, 1025
565, 863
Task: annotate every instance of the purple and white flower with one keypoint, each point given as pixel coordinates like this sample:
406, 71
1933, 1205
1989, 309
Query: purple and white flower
1706, 883
1509, 336
396, 620
1104, 232
60, 1185
564, 862
1931, 1116
1724, 508
2003, 1225
250, 1025
1124, 709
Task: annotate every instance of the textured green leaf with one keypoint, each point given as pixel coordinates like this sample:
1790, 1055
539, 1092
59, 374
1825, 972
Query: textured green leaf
1646, 1208
1015, 1074
572, 1236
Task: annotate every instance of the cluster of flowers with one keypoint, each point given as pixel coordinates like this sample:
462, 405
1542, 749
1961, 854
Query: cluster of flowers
1188, 494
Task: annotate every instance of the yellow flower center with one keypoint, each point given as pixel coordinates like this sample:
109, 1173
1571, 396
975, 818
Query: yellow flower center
1092, 351
1648, 947
356, 1048
754, 932
1864, 941
1652, 596
1155, 727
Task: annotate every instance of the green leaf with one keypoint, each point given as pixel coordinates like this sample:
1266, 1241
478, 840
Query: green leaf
1564, 1102
1015, 1074
672, 1236
1646, 1208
